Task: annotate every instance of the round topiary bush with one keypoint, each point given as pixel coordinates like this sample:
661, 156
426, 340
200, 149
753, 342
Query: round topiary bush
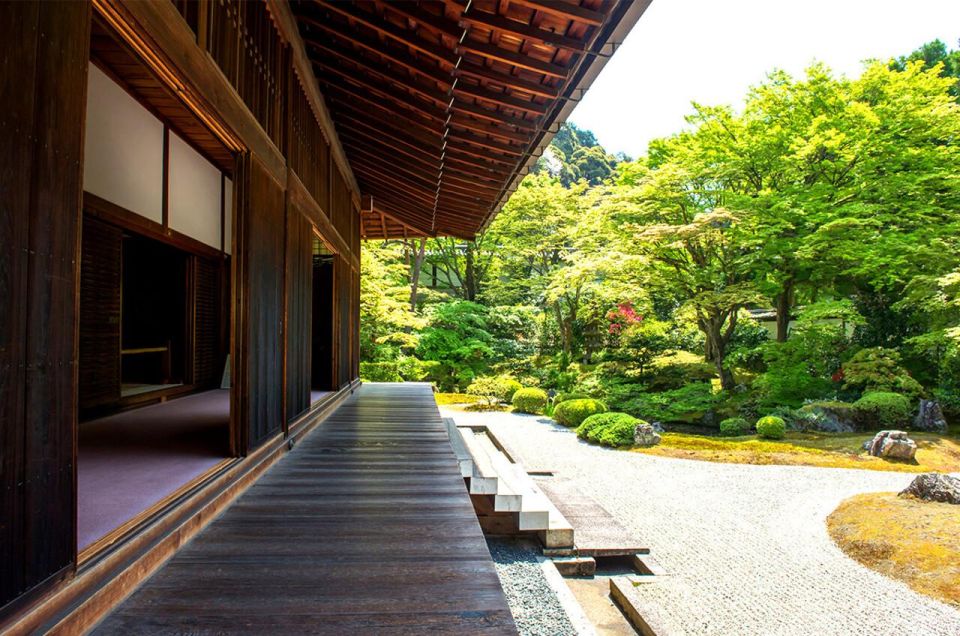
882, 409
590, 427
530, 400
733, 426
609, 429
566, 397
771, 427
573, 412
500, 388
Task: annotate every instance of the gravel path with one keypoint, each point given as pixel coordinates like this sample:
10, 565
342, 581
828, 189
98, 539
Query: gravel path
534, 604
746, 546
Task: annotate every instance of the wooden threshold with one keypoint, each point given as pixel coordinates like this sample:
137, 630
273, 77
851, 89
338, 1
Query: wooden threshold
77, 603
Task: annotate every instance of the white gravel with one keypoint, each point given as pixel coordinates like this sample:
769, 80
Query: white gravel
535, 607
746, 546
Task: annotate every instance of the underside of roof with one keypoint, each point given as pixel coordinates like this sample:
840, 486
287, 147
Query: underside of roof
441, 106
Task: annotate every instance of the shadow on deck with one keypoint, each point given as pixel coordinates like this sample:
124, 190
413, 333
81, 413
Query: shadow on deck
365, 527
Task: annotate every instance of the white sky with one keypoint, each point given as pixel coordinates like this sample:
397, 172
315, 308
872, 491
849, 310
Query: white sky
711, 51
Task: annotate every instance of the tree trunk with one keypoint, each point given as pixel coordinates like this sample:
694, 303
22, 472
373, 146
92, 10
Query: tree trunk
566, 332
470, 275
784, 306
415, 270
716, 339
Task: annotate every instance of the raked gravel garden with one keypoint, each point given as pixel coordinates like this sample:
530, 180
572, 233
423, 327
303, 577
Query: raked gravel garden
746, 546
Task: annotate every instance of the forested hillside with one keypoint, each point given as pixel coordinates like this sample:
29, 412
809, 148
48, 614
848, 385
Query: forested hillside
803, 248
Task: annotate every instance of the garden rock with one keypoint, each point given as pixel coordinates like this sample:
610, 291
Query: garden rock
935, 487
830, 418
657, 426
645, 435
930, 418
892, 445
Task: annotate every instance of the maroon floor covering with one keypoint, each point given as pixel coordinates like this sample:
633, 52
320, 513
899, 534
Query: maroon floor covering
130, 461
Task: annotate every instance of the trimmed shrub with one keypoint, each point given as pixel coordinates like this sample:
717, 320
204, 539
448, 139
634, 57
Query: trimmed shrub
530, 400
884, 409
609, 429
380, 372
878, 370
573, 412
500, 388
564, 397
771, 427
734, 426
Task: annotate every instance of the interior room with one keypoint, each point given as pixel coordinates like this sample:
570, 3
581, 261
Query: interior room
153, 398
323, 328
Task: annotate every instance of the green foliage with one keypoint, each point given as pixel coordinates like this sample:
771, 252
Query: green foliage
530, 400
882, 409
563, 397
686, 404
771, 427
830, 199
501, 387
457, 338
734, 426
677, 369
878, 369
609, 429
572, 412
380, 372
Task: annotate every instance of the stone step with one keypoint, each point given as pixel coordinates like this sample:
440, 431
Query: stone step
459, 448
483, 478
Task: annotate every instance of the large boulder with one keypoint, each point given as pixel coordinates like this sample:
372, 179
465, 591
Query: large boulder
935, 487
645, 435
892, 445
930, 418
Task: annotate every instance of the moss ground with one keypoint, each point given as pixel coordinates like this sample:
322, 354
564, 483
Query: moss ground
934, 452
917, 542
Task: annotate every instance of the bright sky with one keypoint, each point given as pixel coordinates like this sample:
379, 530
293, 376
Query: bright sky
712, 51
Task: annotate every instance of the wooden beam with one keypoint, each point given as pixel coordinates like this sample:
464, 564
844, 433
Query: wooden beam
377, 48
438, 23
518, 60
376, 96
564, 10
430, 93
360, 111
495, 116
387, 29
483, 142
469, 123
504, 79
501, 99
522, 30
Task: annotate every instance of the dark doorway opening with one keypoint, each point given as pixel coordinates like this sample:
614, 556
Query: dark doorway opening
154, 324
322, 358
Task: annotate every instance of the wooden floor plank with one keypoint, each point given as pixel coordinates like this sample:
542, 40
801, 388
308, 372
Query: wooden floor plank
365, 527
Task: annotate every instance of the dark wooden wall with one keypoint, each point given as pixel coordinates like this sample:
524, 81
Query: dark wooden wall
260, 281
43, 93
250, 98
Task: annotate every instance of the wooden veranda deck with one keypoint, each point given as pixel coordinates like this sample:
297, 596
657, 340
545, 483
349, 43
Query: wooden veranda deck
364, 528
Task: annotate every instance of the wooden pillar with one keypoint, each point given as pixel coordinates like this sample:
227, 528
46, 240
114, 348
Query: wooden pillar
43, 83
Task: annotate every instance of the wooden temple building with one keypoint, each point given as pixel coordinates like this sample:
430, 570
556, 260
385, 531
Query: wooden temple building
186, 185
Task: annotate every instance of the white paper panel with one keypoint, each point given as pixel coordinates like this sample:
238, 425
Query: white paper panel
194, 198
123, 149
228, 216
